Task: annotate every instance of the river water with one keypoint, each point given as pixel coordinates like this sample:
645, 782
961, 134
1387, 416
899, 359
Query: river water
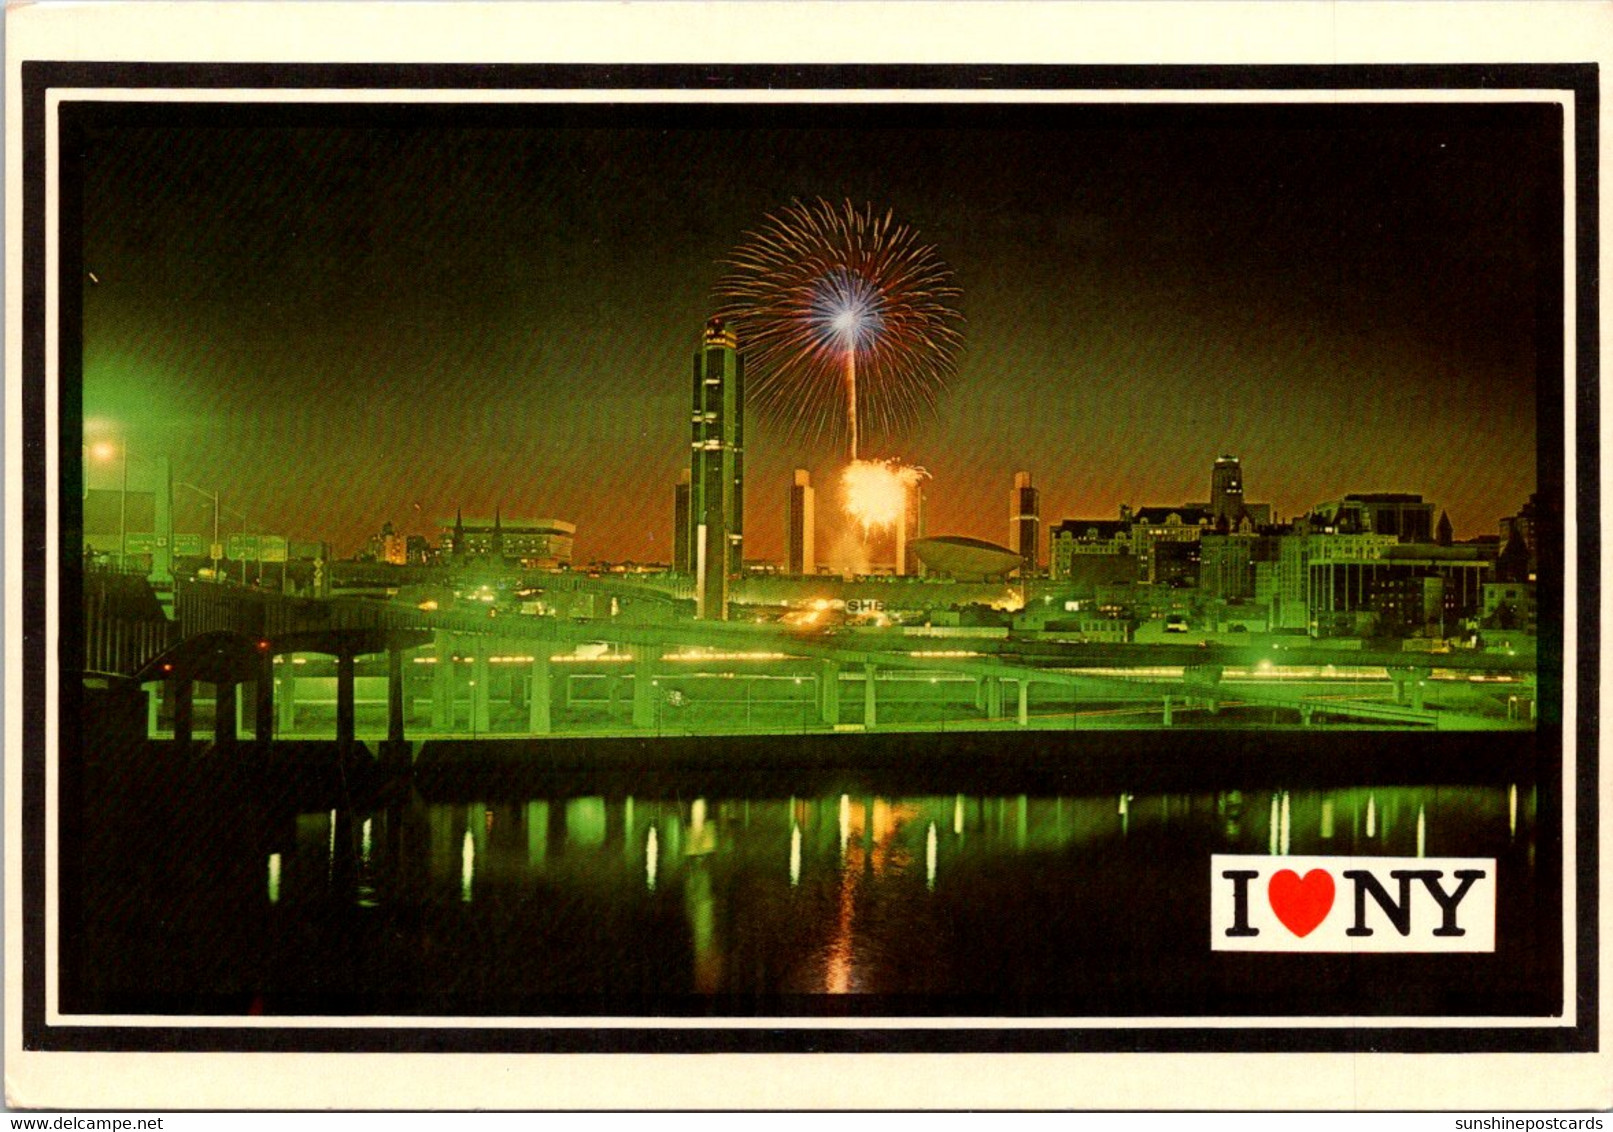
756, 901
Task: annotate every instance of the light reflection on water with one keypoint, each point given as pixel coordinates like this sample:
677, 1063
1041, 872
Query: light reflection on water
826, 894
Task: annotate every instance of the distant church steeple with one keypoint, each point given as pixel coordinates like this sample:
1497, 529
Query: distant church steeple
459, 534
498, 533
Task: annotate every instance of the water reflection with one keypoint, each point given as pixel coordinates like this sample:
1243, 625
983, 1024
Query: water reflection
652, 858
620, 893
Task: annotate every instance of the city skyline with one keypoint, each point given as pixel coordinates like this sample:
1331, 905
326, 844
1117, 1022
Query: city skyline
403, 313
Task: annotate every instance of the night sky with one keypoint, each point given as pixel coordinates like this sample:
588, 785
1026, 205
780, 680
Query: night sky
340, 321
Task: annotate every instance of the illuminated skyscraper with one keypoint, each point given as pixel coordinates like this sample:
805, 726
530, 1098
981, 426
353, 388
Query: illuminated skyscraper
717, 469
1025, 523
800, 519
1226, 493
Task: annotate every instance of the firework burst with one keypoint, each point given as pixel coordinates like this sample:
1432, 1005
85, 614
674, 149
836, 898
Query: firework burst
876, 492
848, 322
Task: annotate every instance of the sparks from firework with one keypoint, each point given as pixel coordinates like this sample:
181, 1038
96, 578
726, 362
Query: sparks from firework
843, 315
876, 492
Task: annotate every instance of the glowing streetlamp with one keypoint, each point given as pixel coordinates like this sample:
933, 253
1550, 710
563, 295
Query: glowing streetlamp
216, 549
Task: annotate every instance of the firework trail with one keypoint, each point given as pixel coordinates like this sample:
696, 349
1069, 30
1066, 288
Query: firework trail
847, 320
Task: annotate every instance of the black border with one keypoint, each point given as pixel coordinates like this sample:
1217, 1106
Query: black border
1580, 81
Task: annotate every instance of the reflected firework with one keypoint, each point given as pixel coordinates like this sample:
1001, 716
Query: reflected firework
848, 320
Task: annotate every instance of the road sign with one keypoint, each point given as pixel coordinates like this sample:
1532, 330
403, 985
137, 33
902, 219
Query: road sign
144, 542
273, 548
243, 547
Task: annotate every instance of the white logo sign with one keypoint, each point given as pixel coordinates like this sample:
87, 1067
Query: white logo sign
1352, 904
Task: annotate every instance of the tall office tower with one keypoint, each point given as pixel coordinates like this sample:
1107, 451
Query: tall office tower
1025, 523
1226, 493
912, 529
717, 470
680, 525
800, 518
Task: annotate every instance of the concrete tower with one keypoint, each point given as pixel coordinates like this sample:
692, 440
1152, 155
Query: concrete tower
1025, 523
800, 520
717, 469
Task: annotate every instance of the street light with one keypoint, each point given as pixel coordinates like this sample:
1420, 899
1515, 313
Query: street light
241, 515
215, 548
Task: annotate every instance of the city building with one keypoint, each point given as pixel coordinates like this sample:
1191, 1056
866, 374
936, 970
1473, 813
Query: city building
1357, 585
1075, 538
1227, 564
1025, 524
1226, 493
388, 546
543, 544
1406, 517
717, 469
909, 531
1526, 525
1151, 527
966, 559
1509, 605
800, 522
680, 525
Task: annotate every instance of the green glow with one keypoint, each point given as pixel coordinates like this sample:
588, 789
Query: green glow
585, 821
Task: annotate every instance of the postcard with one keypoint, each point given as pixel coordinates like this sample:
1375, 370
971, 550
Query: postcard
566, 536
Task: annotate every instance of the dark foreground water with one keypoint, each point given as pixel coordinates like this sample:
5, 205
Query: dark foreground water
581, 897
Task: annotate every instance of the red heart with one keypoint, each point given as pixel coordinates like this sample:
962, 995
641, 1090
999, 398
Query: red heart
1301, 904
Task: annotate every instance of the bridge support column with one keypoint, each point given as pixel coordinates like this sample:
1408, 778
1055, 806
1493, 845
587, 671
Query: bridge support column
1024, 702
994, 697
1419, 686
346, 717
240, 709
829, 692
153, 709
442, 683
184, 692
644, 689
1167, 718
1203, 681
263, 714
224, 717
1305, 713
870, 708
394, 695
537, 704
286, 696
1412, 684
517, 681
481, 711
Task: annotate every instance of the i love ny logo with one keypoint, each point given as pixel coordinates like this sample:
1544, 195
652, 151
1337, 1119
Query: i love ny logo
1351, 904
